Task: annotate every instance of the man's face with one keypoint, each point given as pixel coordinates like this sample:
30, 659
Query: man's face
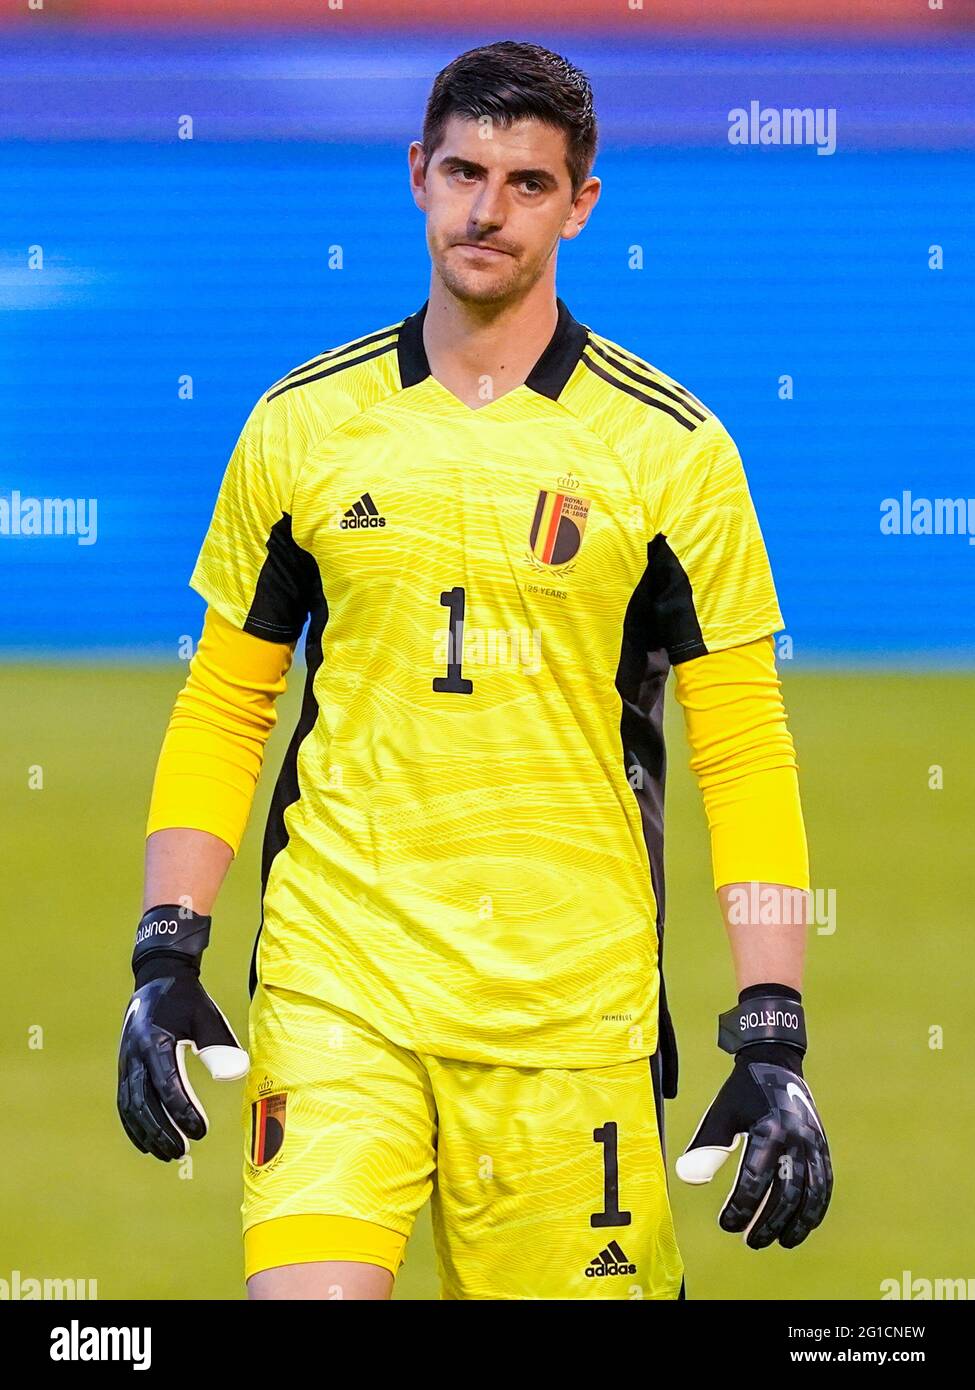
498, 201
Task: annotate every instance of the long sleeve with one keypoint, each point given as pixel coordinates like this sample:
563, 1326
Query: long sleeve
213, 750
745, 763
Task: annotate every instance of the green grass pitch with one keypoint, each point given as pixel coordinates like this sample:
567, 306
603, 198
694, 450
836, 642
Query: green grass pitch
79, 1202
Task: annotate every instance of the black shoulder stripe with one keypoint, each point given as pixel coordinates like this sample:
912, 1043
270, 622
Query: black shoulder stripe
331, 371
661, 614
340, 351
617, 352
648, 381
638, 395
282, 595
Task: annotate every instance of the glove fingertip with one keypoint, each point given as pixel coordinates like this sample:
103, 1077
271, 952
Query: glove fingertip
688, 1169
196, 1129
698, 1166
789, 1242
225, 1063
735, 1223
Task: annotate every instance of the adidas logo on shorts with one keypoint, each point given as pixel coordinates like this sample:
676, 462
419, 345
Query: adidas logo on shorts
609, 1262
361, 514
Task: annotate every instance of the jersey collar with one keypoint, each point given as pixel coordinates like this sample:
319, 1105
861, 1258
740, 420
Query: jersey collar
548, 376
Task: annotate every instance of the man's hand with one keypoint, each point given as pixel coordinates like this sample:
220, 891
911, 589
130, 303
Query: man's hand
169, 1013
785, 1178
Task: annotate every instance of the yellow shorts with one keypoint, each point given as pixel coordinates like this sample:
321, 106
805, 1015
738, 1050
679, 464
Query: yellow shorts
545, 1183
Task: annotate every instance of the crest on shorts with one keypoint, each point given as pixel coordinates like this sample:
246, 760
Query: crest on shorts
267, 1127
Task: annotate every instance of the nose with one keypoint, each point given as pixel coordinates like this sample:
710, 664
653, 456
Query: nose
487, 210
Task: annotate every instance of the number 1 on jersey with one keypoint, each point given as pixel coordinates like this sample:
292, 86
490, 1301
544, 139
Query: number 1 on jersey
453, 682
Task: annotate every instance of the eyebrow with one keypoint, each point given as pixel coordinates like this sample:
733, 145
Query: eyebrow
543, 176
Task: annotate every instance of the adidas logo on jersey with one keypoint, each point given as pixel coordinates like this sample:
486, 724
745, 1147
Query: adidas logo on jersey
361, 514
609, 1262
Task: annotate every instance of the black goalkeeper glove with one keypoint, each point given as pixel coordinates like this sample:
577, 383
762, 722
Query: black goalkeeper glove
170, 1012
785, 1178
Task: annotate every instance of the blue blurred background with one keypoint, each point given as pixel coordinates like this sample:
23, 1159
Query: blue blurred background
209, 258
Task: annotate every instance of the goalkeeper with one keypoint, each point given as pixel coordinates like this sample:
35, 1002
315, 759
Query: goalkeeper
500, 531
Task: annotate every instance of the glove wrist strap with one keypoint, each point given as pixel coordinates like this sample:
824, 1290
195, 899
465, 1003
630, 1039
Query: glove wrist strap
764, 1018
170, 930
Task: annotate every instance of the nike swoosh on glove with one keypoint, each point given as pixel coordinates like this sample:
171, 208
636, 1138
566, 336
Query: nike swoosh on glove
785, 1178
169, 1014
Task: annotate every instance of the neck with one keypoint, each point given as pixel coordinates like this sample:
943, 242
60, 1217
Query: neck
467, 344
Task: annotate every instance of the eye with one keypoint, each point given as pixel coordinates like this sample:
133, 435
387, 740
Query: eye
532, 186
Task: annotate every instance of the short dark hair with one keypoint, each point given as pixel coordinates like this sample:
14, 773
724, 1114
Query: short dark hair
509, 82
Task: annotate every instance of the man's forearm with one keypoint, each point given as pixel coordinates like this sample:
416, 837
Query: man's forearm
766, 926
185, 867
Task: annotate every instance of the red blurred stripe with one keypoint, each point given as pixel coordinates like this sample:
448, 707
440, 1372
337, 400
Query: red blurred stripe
485, 14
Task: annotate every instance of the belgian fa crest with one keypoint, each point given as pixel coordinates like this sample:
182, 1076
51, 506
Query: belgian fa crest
557, 529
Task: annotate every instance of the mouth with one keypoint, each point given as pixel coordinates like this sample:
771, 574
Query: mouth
484, 252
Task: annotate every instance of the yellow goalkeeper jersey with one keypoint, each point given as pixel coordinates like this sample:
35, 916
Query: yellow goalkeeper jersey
465, 843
